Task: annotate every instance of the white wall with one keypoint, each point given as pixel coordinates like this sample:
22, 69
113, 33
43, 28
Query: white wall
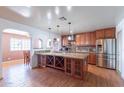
120, 48
0, 56
34, 32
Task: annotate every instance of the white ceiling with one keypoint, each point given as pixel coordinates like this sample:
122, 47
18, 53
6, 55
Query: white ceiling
83, 18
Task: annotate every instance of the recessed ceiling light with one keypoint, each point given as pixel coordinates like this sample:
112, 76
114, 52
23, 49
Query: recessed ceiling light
71, 32
14, 31
69, 8
57, 10
49, 15
22, 10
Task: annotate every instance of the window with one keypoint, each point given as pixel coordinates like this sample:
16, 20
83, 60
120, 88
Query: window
26, 44
15, 44
49, 43
40, 43
19, 44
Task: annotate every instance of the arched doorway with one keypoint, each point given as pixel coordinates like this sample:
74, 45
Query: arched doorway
40, 43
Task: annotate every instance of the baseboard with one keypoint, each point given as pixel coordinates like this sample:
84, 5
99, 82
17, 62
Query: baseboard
12, 60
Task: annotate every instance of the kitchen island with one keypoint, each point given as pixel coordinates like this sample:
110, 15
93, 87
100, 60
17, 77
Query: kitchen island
73, 64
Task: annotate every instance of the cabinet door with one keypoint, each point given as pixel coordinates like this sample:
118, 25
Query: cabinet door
68, 66
78, 40
110, 33
64, 40
41, 61
87, 38
100, 34
83, 39
92, 58
78, 68
93, 38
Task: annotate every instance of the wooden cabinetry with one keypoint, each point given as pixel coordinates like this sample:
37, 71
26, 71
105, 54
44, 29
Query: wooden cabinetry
78, 40
76, 67
41, 61
68, 66
83, 39
87, 38
92, 58
105, 33
93, 38
64, 40
100, 34
110, 33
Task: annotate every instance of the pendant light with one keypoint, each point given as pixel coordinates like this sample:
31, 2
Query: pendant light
58, 28
69, 37
58, 31
49, 34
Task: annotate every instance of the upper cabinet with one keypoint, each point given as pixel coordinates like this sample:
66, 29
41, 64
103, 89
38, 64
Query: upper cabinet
105, 33
64, 40
83, 39
99, 34
89, 38
93, 38
110, 33
78, 39
86, 39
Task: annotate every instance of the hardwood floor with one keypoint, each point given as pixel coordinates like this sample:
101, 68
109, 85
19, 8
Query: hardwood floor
20, 75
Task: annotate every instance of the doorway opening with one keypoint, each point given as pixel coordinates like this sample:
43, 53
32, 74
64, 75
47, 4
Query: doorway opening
16, 48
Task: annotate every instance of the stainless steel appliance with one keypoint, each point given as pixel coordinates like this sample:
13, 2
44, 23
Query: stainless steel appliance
106, 53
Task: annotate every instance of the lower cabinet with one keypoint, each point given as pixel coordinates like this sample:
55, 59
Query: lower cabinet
92, 58
68, 69
76, 67
50, 61
59, 62
41, 61
55, 62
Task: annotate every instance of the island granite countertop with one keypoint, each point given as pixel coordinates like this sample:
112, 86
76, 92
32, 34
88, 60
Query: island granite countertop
65, 55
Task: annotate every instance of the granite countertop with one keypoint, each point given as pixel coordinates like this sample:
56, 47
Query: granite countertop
66, 55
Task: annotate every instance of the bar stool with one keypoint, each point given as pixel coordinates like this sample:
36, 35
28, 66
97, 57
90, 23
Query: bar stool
26, 57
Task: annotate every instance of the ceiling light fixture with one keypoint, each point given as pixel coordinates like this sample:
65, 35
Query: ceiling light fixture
21, 10
49, 34
49, 15
57, 10
69, 8
58, 28
15, 31
69, 37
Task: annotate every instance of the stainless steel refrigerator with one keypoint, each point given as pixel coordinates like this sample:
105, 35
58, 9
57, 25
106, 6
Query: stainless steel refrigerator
106, 53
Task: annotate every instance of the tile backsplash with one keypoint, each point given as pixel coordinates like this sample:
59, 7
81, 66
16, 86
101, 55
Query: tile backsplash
85, 49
